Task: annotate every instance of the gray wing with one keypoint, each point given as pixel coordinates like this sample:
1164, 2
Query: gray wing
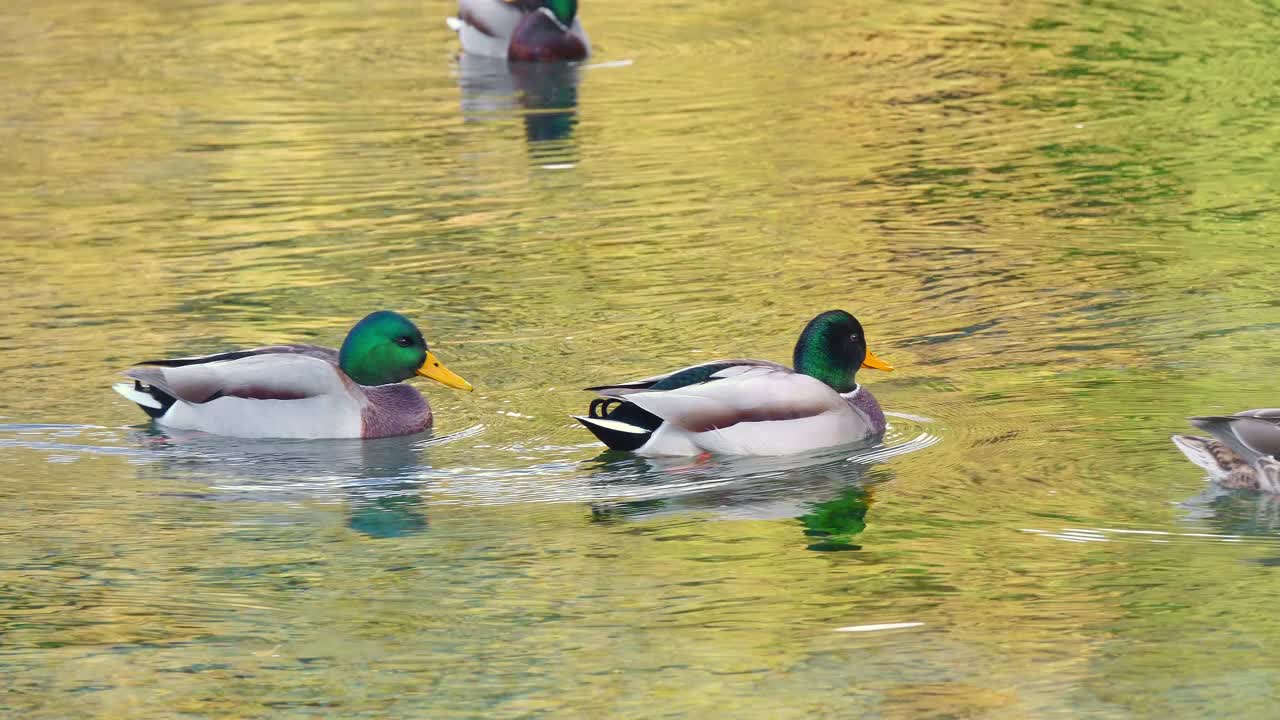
281, 372
684, 377
316, 351
1252, 434
741, 394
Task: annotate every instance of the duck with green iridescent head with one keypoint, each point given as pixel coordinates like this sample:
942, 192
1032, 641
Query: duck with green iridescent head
521, 30
298, 391
749, 407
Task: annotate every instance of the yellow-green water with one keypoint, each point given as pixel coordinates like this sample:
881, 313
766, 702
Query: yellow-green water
1056, 219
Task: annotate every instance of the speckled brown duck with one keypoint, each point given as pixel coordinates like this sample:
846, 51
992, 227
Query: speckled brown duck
1244, 451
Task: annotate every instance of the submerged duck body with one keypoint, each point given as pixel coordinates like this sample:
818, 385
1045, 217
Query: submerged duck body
298, 391
749, 407
1244, 451
521, 30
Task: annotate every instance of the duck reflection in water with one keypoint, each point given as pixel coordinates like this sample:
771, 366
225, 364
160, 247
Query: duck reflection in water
380, 480
1232, 511
828, 497
543, 94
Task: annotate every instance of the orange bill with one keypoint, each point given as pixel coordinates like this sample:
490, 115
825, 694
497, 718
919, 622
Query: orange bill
871, 361
432, 368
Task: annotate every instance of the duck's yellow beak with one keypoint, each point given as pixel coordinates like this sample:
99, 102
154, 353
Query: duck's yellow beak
871, 361
431, 368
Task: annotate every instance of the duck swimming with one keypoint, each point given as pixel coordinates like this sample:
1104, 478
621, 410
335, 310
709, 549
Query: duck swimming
749, 407
1244, 451
298, 391
521, 30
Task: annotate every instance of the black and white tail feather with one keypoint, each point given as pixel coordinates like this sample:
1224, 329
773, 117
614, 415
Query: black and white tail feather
153, 401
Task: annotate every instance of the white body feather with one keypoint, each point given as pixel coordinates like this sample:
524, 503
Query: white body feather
312, 418
779, 437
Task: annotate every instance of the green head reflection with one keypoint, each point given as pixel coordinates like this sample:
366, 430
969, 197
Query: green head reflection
834, 523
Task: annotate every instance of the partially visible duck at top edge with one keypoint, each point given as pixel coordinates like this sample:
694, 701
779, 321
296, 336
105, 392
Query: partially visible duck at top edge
521, 30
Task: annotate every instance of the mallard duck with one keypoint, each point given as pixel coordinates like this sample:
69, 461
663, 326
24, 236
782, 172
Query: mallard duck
298, 391
1245, 453
521, 30
749, 407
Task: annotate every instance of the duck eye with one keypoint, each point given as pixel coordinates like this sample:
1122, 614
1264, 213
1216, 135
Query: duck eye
404, 341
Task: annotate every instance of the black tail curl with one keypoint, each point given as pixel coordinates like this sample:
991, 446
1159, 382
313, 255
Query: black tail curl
165, 399
624, 412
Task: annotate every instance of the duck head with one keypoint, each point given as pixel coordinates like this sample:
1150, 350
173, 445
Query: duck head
385, 347
832, 348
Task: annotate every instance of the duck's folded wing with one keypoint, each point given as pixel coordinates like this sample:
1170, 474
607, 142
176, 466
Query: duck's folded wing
1272, 414
316, 351
1251, 433
263, 376
741, 394
691, 375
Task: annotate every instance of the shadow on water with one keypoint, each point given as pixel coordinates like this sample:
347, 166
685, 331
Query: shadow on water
826, 493
543, 95
381, 481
